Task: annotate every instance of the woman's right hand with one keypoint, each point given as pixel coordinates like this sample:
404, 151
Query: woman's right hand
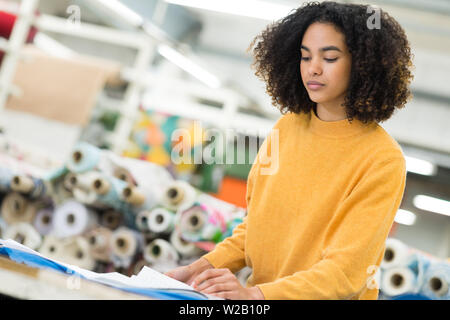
187, 273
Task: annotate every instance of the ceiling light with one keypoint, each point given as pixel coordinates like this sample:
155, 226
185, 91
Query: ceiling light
189, 66
432, 204
251, 8
405, 217
420, 166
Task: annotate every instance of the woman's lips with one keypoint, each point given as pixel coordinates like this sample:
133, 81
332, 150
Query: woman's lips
315, 86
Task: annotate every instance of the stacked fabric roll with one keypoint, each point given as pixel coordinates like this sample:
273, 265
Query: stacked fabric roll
405, 270
107, 213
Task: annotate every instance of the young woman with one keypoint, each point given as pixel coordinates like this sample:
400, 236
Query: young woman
316, 228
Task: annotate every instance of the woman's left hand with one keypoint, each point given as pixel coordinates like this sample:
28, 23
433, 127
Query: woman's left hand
223, 283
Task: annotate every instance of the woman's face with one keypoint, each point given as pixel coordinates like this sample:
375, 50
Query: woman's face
325, 59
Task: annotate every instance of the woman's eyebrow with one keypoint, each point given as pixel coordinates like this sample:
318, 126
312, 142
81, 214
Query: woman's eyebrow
327, 48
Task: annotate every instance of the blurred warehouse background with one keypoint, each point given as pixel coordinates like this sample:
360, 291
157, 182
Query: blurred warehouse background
122, 75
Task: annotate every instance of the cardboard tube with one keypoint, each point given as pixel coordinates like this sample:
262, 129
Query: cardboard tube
86, 180
179, 194
70, 181
111, 219
397, 281
142, 220
21, 183
99, 242
160, 251
174, 194
101, 185
133, 196
395, 254
185, 248
161, 220
438, 285
124, 243
193, 220
124, 175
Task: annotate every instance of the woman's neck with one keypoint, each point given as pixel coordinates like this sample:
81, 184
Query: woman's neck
329, 113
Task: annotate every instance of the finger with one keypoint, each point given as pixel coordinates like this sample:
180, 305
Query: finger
218, 287
212, 281
225, 295
207, 274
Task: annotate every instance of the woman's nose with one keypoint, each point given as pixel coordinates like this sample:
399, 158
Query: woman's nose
315, 67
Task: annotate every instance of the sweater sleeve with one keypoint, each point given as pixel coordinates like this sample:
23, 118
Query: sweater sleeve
230, 253
355, 240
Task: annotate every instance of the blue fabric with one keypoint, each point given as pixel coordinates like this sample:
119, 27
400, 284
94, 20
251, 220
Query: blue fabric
37, 261
410, 296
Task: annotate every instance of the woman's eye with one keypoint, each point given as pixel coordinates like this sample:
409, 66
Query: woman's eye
328, 60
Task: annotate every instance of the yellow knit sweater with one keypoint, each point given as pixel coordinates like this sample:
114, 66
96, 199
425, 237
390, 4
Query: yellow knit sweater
316, 227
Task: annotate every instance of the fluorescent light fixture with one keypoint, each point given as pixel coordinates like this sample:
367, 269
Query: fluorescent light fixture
249, 8
52, 47
420, 166
432, 204
123, 11
405, 217
189, 66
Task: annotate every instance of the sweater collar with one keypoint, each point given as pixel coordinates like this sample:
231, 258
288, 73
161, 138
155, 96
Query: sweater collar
338, 129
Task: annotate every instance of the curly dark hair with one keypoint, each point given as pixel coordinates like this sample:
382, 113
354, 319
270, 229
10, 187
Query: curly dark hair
381, 60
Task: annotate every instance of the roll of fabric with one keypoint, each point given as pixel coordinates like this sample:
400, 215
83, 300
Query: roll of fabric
23, 233
139, 199
396, 254
84, 190
70, 181
102, 185
161, 220
437, 281
86, 180
150, 178
123, 175
51, 247
6, 176
33, 187
16, 208
43, 222
109, 193
185, 248
161, 255
142, 220
179, 195
72, 218
125, 244
99, 240
75, 250
398, 280
111, 219
202, 222
84, 157
418, 263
